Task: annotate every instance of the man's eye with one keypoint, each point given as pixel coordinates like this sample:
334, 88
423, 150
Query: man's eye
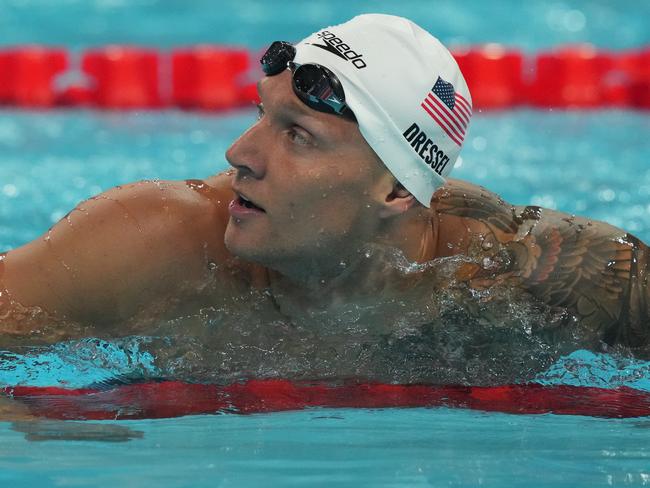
298, 137
260, 111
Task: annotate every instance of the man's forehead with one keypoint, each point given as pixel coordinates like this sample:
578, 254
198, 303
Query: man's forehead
278, 89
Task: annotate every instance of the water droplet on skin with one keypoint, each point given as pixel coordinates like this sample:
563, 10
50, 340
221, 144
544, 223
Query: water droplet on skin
195, 184
324, 195
488, 263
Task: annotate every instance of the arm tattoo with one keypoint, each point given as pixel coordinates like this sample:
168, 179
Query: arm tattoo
595, 271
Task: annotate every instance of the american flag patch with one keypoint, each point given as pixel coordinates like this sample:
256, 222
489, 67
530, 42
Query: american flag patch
448, 109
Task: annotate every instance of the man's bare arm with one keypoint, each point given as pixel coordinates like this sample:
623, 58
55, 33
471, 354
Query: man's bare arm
596, 271
111, 256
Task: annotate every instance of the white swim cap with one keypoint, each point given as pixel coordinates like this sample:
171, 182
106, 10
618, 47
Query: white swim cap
406, 91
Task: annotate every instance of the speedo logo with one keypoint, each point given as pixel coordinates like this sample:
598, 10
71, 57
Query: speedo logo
335, 45
426, 149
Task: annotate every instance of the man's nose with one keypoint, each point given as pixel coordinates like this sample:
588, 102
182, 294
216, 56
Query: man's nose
246, 153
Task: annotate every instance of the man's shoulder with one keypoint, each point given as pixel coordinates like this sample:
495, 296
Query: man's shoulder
188, 210
128, 250
592, 269
466, 199
210, 195
465, 213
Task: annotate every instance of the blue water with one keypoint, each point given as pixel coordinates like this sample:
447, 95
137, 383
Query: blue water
342, 448
529, 25
589, 163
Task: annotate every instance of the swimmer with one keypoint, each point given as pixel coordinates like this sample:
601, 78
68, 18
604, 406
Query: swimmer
347, 166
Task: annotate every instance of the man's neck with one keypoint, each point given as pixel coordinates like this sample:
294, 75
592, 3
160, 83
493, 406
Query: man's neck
357, 275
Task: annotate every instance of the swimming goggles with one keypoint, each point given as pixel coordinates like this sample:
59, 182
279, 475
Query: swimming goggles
314, 84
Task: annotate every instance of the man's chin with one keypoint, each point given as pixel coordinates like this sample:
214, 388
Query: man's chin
240, 244
258, 249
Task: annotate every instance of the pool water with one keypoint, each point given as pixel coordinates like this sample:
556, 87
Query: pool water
591, 163
346, 448
531, 25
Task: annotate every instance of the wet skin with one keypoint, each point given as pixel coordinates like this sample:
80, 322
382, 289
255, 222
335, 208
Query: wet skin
323, 209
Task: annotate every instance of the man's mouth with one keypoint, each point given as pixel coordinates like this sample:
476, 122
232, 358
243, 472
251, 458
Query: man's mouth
241, 207
244, 202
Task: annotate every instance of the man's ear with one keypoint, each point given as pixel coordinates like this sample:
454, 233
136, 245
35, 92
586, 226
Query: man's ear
398, 201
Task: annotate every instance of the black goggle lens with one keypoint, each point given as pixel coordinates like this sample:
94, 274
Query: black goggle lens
318, 87
314, 84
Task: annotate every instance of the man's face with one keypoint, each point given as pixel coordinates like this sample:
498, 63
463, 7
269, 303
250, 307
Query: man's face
317, 183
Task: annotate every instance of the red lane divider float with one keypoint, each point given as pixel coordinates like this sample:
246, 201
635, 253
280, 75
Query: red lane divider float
582, 77
27, 75
218, 78
174, 399
638, 66
571, 77
123, 77
494, 76
210, 78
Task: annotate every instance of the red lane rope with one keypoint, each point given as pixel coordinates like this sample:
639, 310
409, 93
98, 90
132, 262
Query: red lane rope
174, 399
221, 78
